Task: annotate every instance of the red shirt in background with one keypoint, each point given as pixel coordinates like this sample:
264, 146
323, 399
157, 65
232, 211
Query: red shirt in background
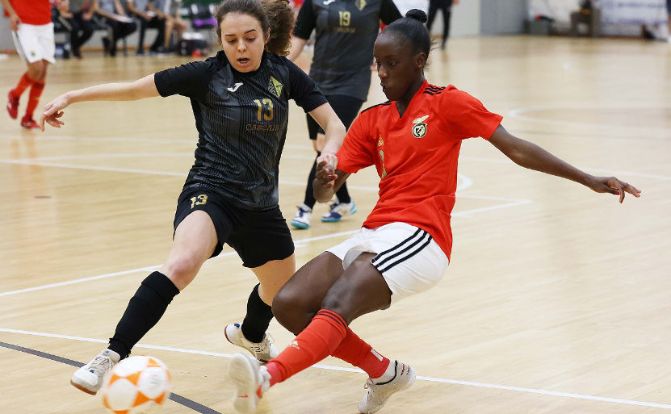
416, 156
36, 12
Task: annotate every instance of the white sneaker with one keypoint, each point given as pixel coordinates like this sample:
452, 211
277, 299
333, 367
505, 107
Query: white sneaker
338, 210
251, 380
263, 351
301, 220
89, 378
378, 394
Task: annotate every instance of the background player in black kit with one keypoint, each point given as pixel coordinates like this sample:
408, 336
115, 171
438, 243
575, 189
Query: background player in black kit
343, 53
240, 102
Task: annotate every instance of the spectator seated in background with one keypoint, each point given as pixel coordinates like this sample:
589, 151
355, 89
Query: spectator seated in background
589, 15
173, 22
146, 14
116, 19
201, 17
75, 18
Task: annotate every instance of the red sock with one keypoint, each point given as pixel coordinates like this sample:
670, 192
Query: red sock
34, 98
24, 82
317, 341
357, 352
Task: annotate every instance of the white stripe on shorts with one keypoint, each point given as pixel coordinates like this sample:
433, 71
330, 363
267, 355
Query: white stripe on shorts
402, 251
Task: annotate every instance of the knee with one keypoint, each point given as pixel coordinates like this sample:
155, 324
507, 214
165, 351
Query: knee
43, 71
292, 312
35, 72
181, 270
335, 303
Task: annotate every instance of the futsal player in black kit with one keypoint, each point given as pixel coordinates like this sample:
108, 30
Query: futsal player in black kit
343, 53
240, 101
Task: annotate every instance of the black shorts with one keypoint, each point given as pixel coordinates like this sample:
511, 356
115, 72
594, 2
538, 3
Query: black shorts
346, 107
257, 236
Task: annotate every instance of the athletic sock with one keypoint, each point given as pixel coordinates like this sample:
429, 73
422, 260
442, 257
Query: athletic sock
359, 353
24, 83
309, 200
144, 310
343, 194
258, 317
34, 98
317, 341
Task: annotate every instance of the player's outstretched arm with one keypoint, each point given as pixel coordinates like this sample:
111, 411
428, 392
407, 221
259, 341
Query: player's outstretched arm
123, 91
530, 155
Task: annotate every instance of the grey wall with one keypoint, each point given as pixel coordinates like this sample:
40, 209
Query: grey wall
487, 17
502, 16
5, 36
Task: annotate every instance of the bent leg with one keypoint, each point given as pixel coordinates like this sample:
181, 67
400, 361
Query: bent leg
272, 276
194, 243
359, 290
301, 297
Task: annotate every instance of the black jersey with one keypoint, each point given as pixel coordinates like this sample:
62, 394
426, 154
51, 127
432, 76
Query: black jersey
242, 123
346, 33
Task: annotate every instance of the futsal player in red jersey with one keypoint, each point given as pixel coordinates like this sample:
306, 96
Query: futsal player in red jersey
404, 246
33, 34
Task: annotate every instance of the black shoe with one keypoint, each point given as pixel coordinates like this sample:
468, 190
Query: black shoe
140, 52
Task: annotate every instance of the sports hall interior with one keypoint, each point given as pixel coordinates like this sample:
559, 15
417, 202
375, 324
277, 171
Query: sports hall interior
557, 299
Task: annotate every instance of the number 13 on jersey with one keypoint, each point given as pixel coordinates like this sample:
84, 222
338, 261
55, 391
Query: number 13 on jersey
264, 109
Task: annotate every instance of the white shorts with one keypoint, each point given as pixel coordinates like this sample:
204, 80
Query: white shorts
407, 257
35, 43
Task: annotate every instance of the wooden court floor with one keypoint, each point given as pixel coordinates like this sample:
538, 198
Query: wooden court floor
557, 300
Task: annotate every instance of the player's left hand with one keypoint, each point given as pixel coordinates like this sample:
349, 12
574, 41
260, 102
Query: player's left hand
330, 158
53, 111
326, 169
613, 186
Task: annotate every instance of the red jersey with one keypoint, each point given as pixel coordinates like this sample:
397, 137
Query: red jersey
416, 156
36, 12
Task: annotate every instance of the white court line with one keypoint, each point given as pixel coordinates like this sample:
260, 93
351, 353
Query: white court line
526, 114
475, 384
297, 242
186, 154
463, 182
596, 170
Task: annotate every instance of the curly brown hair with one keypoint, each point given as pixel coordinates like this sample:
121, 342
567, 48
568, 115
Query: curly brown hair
275, 16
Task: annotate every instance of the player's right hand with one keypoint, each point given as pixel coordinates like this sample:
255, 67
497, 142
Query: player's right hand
53, 111
14, 22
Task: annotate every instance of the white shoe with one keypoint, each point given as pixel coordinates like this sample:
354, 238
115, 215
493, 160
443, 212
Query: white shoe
338, 210
263, 351
251, 380
378, 394
301, 220
89, 378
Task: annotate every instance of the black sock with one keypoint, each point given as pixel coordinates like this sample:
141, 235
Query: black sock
258, 317
144, 310
343, 194
309, 199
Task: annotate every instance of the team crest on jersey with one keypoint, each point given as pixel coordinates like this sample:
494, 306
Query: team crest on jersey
360, 4
275, 87
419, 127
